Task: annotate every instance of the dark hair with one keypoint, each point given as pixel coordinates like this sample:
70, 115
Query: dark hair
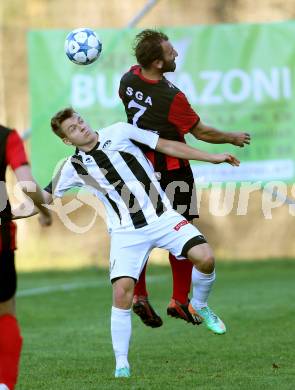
58, 118
147, 46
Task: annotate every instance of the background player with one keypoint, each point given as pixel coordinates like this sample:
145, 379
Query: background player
153, 102
12, 153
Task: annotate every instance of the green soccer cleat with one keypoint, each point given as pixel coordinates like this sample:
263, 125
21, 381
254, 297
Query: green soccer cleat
123, 372
212, 321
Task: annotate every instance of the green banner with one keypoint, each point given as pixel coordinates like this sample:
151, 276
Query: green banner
237, 77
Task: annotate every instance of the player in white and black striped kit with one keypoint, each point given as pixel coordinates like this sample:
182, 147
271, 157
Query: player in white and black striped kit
114, 169
140, 216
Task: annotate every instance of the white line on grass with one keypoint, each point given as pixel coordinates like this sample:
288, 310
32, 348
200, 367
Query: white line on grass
77, 286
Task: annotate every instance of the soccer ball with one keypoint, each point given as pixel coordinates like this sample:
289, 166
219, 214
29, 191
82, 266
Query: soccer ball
82, 46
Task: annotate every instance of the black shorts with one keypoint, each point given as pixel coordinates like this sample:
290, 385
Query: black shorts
179, 186
7, 275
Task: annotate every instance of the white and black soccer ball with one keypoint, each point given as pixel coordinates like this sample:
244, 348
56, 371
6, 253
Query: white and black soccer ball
82, 46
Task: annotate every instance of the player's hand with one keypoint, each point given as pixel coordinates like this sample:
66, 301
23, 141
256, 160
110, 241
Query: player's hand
227, 158
241, 139
45, 219
23, 211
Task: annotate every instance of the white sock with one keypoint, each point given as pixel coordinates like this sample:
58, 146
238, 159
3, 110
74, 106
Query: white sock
202, 284
121, 333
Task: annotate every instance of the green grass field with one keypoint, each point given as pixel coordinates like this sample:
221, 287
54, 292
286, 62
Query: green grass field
65, 320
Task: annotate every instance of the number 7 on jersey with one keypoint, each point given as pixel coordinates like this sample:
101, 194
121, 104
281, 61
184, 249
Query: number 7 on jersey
139, 113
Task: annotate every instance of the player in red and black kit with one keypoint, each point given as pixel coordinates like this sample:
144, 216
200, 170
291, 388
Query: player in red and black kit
12, 153
153, 102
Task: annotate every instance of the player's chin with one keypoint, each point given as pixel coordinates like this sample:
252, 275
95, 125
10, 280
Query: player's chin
170, 67
173, 67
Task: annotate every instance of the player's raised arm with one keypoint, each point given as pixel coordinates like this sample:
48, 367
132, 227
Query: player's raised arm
211, 135
182, 150
145, 137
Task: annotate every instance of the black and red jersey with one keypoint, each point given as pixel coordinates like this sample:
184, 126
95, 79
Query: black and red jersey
160, 106
12, 153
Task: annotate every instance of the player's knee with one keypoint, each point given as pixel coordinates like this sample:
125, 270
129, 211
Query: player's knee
202, 257
208, 262
123, 292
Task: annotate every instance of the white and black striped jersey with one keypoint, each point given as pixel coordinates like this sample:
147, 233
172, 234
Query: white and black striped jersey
119, 174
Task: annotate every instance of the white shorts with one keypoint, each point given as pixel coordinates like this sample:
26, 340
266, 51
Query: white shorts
130, 249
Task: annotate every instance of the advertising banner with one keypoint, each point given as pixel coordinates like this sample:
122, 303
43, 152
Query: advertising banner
237, 77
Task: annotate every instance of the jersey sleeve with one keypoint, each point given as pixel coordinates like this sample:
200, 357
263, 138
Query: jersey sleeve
15, 151
182, 115
65, 179
145, 137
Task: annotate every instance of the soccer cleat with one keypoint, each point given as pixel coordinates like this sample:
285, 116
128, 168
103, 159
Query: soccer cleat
178, 310
123, 372
212, 321
144, 310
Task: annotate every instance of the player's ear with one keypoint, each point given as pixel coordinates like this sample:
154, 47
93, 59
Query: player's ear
158, 64
66, 141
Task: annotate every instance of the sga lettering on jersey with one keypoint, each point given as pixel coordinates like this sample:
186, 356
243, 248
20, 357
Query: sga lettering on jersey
157, 105
139, 96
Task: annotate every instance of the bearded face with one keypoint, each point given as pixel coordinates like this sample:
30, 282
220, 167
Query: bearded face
169, 66
169, 55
